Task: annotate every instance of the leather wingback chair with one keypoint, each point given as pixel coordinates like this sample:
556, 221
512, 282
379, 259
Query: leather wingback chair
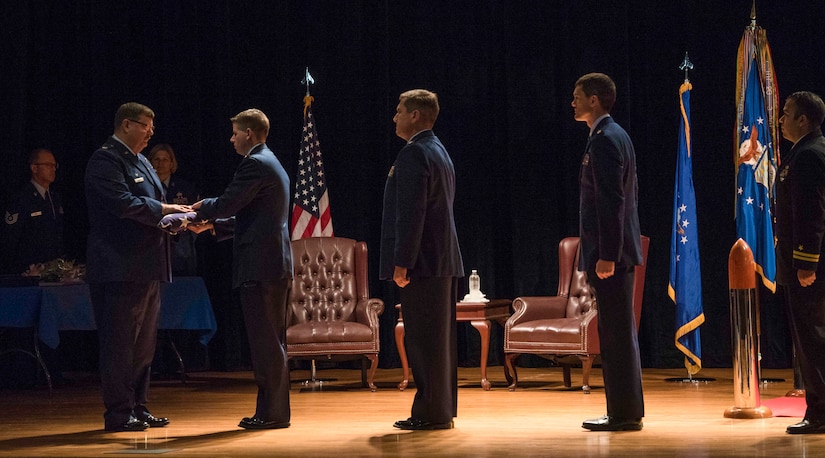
330, 314
565, 325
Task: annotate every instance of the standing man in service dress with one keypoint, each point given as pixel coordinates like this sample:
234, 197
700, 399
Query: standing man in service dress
610, 242
420, 253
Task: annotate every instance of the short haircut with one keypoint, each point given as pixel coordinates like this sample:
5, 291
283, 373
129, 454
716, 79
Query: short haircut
601, 86
34, 155
132, 110
426, 102
254, 119
168, 148
810, 105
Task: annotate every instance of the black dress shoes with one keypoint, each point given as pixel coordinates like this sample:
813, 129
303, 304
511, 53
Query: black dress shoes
155, 422
257, 423
807, 427
419, 425
608, 423
132, 425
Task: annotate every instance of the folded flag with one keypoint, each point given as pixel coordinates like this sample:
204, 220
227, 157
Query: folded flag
174, 223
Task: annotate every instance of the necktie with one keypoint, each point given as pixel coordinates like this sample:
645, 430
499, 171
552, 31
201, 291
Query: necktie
48, 198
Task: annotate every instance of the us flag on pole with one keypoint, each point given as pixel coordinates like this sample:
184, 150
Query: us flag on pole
310, 207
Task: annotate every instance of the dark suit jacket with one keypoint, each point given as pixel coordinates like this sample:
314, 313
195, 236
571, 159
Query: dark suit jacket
800, 209
258, 198
31, 233
124, 196
418, 228
608, 203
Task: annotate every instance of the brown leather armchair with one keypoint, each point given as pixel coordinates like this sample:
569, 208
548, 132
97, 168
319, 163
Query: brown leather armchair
565, 326
330, 314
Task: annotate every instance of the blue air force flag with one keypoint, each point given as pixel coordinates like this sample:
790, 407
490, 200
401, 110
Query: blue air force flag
756, 171
685, 285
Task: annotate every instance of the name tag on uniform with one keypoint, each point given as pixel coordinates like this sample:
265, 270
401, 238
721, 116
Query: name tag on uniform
139, 180
37, 213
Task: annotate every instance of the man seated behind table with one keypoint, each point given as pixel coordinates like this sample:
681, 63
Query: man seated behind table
33, 229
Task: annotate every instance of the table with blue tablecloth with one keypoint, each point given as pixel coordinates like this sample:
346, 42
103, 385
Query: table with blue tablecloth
185, 305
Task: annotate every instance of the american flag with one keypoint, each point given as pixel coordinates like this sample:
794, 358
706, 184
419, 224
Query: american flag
310, 209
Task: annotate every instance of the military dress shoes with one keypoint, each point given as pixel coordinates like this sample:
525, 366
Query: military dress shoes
421, 425
807, 427
257, 423
133, 424
608, 423
153, 421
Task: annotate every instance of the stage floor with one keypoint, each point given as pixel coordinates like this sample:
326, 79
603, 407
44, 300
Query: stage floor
541, 418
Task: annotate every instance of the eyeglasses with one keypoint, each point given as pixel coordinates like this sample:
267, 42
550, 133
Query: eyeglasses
152, 127
53, 165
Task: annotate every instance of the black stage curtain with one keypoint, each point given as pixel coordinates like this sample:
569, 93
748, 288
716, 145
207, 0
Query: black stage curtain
504, 71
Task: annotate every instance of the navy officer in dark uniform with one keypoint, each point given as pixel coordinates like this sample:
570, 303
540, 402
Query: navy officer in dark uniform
33, 229
420, 253
127, 258
800, 228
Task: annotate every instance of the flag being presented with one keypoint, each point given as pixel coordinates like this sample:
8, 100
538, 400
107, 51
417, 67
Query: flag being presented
755, 157
685, 285
310, 209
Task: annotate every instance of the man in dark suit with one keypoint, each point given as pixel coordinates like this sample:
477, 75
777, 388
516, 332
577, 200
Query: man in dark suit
800, 228
420, 252
33, 232
126, 259
255, 207
610, 248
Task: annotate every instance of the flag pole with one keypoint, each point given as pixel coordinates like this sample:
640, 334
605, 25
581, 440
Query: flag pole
686, 65
308, 99
308, 79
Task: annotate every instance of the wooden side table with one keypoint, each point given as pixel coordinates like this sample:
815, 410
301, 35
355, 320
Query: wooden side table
478, 314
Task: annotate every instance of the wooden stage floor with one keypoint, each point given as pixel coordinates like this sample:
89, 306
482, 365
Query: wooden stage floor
541, 418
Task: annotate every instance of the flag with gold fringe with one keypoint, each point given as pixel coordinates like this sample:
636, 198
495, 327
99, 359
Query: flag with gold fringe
685, 285
755, 153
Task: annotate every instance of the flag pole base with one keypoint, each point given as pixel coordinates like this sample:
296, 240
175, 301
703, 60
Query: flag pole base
690, 379
748, 413
795, 393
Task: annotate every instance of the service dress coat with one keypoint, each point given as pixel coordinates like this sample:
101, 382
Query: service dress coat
418, 227
609, 230
800, 209
258, 199
33, 229
125, 203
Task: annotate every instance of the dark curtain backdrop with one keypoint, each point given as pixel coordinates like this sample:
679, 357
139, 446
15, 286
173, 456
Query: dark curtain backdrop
504, 71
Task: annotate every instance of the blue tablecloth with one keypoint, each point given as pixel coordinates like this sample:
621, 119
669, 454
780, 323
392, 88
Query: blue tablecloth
184, 305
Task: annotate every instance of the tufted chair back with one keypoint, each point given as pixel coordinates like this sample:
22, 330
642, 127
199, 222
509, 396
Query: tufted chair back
330, 313
325, 284
565, 325
580, 298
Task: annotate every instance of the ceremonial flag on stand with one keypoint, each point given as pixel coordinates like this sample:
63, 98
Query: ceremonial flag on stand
685, 285
755, 153
310, 209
